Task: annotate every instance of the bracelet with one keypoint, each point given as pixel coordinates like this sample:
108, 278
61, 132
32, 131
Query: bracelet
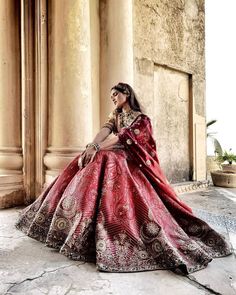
95, 145
88, 145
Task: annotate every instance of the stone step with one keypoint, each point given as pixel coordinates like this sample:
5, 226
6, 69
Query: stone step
188, 186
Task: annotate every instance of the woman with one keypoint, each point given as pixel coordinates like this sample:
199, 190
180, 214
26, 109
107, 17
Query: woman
114, 206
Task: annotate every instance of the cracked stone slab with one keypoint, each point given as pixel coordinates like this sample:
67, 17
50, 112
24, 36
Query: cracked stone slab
216, 220
29, 268
216, 200
31, 284
86, 280
220, 276
223, 224
218, 210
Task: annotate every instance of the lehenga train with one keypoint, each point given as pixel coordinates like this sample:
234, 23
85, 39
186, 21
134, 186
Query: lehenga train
121, 213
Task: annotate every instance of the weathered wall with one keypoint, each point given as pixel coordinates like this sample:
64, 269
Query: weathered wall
170, 80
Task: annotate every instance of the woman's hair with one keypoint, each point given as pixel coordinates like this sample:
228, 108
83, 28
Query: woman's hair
132, 98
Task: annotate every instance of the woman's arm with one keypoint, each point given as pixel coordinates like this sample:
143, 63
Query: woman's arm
89, 153
102, 135
109, 142
101, 139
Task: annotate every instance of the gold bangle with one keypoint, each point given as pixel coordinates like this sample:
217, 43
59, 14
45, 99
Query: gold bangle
88, 145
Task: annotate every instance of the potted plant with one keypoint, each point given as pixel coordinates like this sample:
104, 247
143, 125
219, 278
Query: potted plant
228, 157
227, 176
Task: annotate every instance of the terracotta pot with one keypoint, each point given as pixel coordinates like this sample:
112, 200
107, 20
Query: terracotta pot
223, 178
229, 167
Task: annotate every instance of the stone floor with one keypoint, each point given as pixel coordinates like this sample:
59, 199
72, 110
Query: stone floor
28, 267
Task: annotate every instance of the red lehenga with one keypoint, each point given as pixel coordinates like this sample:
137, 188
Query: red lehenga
121, 213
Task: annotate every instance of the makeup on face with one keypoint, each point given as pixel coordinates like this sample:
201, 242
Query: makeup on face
118, 98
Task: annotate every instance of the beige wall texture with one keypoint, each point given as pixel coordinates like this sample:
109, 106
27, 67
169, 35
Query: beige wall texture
61, 58
170, 81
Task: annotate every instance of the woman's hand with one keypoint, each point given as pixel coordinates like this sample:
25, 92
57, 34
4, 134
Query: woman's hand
86, 157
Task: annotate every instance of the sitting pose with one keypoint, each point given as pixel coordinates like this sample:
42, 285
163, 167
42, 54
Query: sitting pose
113, 205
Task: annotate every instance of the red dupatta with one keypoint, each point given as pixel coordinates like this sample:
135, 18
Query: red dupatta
141, 147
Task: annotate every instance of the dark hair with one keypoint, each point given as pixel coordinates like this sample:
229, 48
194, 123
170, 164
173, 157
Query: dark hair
132, 98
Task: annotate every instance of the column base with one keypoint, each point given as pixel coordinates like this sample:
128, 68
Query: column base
12, 191
50, 176
56, 159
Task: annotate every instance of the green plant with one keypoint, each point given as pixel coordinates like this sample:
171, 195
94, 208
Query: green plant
217, 145
226, 156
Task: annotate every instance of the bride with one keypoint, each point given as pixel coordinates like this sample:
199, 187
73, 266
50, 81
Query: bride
113, 205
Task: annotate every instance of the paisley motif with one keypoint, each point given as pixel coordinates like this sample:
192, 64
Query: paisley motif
120, 213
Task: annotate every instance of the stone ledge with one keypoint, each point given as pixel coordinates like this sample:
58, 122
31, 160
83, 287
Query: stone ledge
189, 186
11, 180
11, 198
12, 191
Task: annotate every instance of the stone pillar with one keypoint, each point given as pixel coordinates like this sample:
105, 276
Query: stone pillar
10, 104
70, 99
116, 23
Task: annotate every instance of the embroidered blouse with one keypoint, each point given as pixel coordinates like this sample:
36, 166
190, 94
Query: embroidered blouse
116, 121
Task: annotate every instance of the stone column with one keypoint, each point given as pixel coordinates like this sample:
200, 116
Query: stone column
116, 23
10, 104
70, 98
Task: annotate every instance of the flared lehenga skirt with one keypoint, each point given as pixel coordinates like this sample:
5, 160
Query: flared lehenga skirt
111, 214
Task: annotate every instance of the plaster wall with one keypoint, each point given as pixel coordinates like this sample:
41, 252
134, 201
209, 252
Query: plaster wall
169, 63
171, 121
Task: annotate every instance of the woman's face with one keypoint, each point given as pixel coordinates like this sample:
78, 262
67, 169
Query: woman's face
119, 99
